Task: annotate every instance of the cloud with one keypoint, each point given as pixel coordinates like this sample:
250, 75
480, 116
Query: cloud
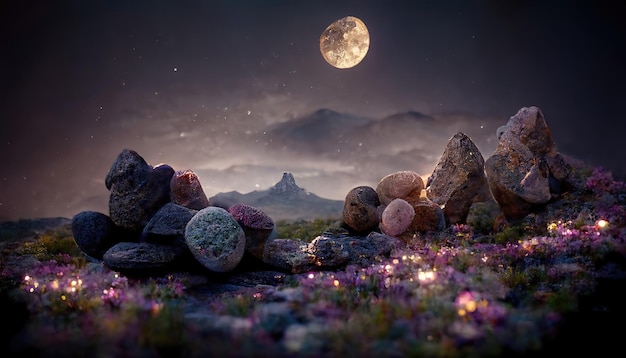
330, 153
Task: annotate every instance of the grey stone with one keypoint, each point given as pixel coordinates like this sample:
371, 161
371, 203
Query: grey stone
215, 239
137, 191
94, 233
142, 257
168, 225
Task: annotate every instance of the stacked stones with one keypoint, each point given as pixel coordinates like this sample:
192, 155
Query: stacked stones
161, 220
397, 206
160, 217
524, 173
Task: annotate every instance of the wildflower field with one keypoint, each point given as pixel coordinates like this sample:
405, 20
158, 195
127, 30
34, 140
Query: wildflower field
548, 284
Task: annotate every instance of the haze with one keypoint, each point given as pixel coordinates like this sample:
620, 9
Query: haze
239, 93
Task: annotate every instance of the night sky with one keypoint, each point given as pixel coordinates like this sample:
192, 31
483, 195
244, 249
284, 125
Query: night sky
200, 84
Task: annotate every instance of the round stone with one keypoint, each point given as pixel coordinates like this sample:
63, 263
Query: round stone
360, 209
405, 184
396, 217
215, 239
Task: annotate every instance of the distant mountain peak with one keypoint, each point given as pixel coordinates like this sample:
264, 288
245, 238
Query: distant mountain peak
287, 184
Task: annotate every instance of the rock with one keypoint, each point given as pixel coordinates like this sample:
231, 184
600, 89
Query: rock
457, 179
428, 217
396, 217
137, 191
256, 225
289, 255
328, 253
168, 225
526, 171
94, 233
142, 257
128, 171
186, 190
360, 209
405, 184
215, 239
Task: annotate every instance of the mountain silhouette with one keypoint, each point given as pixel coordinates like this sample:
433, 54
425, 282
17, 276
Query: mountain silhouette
307, 132
284, 201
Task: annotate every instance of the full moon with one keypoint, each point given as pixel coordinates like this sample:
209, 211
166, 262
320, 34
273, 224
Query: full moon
345, 42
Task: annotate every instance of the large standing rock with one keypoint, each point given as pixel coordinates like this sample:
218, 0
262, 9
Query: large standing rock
457, 178
526, 170
215, 239
137, 190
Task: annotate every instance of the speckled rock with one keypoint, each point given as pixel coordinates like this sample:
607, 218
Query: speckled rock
360, 209
405, 184
289, 255
215, 239
256, 225
396, 217
94, 233
526, 170
186, 190
142, 257
168, 225
328, 252
457, 178
137, 191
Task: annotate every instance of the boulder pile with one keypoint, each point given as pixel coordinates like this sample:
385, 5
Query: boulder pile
160, 219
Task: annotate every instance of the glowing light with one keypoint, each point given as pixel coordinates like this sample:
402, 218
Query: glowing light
552, 227
389, 268
63, 298
336, 283
156, 307
602, 224
426, 276
466, 303
311, 276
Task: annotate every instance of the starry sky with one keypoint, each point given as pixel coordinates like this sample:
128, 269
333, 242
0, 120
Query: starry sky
203, 85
